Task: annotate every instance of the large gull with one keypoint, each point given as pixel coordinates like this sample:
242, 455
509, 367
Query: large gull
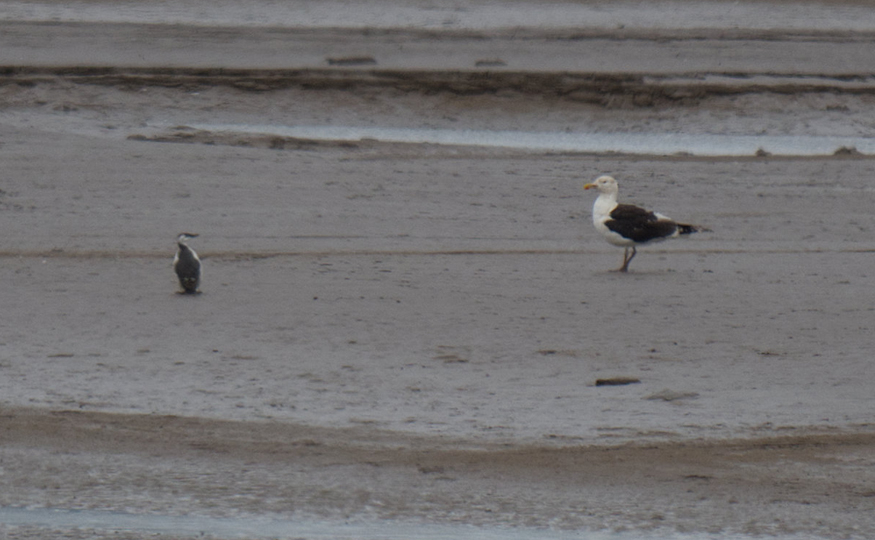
628, 226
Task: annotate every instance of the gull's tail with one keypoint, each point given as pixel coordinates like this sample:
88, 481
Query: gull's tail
684, 228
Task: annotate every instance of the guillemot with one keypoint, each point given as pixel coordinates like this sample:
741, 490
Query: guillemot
187, 265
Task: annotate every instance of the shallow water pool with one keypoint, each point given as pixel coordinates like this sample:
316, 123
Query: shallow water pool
256, 527
627, 143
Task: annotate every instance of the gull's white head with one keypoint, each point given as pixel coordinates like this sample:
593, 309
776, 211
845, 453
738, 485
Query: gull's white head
605, 184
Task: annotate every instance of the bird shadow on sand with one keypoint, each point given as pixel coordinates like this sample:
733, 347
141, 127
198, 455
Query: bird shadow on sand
630, 274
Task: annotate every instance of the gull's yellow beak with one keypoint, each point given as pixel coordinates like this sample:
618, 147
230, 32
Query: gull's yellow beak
589, 186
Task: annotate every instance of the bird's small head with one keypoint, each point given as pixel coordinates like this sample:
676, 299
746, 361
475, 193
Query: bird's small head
183, 237
605, 184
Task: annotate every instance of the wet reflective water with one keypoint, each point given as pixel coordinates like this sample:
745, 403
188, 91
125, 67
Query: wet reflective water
303, 530
262, 527
630, 143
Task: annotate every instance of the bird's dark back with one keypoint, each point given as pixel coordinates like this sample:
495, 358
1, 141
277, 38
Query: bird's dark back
187, 268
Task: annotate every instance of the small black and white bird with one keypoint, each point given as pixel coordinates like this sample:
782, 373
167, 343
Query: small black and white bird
628, 226
187, 265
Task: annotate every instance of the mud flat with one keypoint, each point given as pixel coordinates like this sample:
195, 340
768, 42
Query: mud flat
359, 478
405, 333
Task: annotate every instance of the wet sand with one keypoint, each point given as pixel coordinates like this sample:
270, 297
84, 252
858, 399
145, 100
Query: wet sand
813, 485
414, 332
